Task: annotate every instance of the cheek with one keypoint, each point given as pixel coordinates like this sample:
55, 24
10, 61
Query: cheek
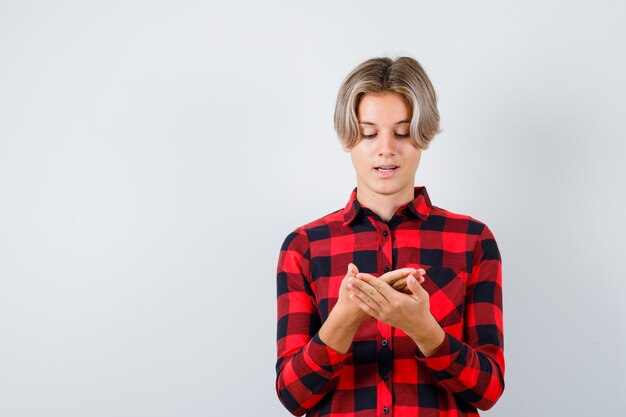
359, 161
417, 157
415, 161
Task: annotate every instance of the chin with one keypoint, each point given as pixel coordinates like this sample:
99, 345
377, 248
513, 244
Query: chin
388, 189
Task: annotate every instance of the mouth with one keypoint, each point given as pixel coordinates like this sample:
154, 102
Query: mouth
386, 168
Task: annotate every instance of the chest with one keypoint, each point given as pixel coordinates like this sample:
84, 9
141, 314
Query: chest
446, 257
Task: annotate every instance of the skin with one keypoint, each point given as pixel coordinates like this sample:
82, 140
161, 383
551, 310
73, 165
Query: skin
410, 313
345, 318
384, 121
384, 127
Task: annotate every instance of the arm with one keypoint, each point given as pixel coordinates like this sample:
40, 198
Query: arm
311, 354
307, 367
473, 368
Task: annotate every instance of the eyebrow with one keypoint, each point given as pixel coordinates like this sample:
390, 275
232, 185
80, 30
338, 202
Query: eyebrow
365, 122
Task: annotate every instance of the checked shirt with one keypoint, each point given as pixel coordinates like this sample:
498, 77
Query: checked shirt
384, 373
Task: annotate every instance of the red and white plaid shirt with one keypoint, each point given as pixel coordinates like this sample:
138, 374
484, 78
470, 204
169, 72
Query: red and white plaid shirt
384, 373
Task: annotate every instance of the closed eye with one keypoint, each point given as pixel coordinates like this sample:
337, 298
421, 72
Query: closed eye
398, 136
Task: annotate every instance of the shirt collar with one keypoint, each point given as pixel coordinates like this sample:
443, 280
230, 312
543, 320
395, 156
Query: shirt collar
420, 206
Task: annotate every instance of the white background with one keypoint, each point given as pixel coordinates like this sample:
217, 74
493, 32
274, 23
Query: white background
155, 154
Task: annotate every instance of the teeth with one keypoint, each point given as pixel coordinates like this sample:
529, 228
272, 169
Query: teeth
386, 169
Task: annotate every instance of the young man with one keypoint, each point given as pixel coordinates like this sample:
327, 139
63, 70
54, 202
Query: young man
391, 305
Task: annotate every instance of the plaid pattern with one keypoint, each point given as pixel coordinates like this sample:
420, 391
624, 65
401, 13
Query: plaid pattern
383, 373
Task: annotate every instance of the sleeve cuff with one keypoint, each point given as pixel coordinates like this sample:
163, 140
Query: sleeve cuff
444, 355
324, 356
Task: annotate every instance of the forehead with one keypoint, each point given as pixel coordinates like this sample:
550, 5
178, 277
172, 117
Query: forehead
385, 107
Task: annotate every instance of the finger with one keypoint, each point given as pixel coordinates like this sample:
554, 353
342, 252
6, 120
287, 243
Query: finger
352, 269
416, 288
379, 285
402, 287
364, 306
367, 275
399, 284
398, 281
397, 274
363, 297
366, 292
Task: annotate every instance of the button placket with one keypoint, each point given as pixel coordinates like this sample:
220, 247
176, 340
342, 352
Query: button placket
384, 386
385, 246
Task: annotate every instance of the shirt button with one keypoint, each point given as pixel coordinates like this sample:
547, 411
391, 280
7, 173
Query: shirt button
385, 410
385, 377
386, 269
384, 342
385, 233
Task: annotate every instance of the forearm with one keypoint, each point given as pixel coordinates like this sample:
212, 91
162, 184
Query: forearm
306, 376
338, 331
473, 374
428, 336
470, 363
469, 373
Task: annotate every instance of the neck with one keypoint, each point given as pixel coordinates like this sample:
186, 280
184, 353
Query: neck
385, 205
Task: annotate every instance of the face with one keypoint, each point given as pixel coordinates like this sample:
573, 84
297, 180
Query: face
385, 158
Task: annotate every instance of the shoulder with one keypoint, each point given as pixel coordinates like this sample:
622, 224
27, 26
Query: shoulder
479, 238
314, 230
459, 223
318, 228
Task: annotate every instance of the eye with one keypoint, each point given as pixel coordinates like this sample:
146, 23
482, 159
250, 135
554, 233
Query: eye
372, 136
403, 136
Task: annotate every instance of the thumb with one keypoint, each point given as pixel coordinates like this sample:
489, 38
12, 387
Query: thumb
352, 269
415, 287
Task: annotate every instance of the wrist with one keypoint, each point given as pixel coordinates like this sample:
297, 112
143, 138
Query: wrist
338, 330
429, 336
344, 318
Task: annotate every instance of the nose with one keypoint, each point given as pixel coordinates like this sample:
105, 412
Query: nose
386, 144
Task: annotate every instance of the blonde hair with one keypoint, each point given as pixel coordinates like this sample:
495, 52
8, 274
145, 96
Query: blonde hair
404, 76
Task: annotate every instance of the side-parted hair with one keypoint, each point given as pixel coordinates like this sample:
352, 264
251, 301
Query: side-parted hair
404, 76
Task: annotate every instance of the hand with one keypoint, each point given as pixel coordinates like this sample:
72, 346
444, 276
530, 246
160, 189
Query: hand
397, 278
410, 313
350, 311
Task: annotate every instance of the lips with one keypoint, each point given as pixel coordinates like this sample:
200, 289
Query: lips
385, 168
